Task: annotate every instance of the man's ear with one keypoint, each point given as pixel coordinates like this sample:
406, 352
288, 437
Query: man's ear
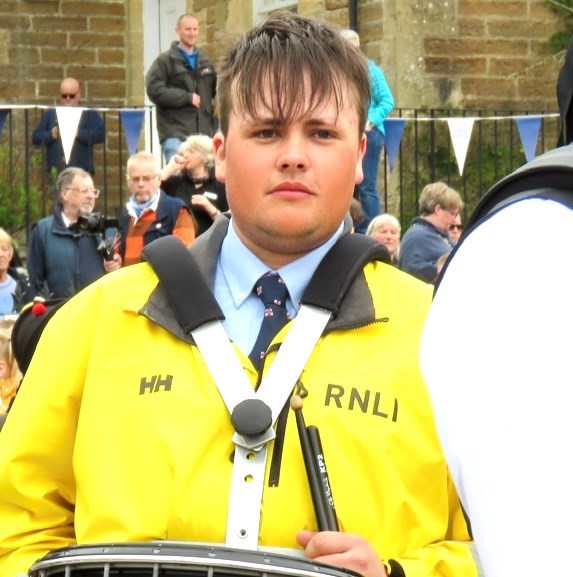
359, 174
220, 158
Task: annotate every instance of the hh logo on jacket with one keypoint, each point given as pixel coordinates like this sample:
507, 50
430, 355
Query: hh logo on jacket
154, 384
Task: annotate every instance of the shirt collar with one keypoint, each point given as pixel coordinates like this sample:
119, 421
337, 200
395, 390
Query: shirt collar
241, 268
150, 205
67, 222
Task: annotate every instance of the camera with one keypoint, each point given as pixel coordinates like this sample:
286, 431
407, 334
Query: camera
95, 222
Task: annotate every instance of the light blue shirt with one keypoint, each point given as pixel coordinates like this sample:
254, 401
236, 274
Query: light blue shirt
7, 289
238, 269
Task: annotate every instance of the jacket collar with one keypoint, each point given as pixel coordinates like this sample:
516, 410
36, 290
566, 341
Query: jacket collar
356, 310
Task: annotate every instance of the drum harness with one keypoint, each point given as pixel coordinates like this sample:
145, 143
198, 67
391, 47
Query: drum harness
254, 412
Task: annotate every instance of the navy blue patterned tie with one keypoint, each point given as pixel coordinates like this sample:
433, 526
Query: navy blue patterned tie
272, 290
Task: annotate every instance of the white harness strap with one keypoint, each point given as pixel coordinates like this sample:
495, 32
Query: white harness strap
247, 481
253, 413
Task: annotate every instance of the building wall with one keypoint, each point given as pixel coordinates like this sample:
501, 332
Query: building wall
458, 53
445, 53
43, 41
490, 54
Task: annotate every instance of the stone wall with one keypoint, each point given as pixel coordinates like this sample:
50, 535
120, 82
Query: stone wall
468, 53
473, 54
444, 53
44, 41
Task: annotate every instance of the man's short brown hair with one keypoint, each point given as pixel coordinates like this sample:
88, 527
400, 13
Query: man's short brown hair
277, 54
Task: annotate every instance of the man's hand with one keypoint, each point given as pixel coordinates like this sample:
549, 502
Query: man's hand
343, 550
196, 100
114, 264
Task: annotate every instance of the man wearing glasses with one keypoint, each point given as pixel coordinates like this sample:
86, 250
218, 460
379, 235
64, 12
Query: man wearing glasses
90, 131
150, 213
63, 255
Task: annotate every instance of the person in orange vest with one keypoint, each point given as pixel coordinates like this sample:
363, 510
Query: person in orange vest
150, 213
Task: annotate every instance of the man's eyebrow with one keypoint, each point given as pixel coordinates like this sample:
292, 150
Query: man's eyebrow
321, 120
274, 121
262, 120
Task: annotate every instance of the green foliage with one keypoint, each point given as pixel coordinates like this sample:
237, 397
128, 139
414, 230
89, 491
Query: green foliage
17, 195
560, 39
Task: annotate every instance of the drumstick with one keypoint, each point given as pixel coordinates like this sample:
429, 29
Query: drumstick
320, 464
309, 464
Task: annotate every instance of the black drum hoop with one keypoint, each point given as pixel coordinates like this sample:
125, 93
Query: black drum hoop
175, 558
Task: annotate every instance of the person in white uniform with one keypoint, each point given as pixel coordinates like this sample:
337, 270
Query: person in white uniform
502, 391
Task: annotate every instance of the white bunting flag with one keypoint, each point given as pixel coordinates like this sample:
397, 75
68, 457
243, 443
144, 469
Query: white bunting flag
68, 122
461, 133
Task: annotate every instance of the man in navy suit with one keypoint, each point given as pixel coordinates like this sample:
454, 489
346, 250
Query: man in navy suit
90, 131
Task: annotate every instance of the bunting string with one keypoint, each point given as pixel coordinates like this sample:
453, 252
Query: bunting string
460, 128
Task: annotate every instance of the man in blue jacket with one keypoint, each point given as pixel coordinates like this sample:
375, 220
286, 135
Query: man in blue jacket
90, 131
63, 254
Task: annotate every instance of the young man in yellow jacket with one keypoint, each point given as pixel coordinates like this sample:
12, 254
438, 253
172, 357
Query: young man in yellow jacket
124, 430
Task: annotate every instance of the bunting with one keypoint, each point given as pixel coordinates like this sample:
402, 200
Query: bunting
529, 128
68, 122
3, 116
393, 132
461, 133
460, 129
132, 121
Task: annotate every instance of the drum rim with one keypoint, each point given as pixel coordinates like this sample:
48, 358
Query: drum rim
114, 553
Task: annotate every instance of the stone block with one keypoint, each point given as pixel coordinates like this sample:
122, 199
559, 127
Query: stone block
59, 24
455, 65
488, 87
507, 66
103, 25
519, 28
488, 8
65, 57
93, 8
111, 56
471, 27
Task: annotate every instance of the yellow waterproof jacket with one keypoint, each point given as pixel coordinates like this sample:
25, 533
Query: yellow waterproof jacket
118, 432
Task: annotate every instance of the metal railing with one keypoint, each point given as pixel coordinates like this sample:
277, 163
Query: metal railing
425, 154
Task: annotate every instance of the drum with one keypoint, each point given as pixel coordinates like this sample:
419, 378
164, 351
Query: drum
176, 559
